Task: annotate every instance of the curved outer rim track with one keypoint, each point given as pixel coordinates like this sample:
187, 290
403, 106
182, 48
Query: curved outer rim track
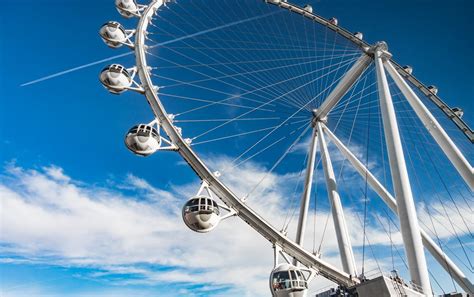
226, 195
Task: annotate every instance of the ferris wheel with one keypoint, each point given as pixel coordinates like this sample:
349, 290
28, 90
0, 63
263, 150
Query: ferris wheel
261, 85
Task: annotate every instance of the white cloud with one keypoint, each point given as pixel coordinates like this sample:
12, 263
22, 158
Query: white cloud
436, 219
47, 216
56, 173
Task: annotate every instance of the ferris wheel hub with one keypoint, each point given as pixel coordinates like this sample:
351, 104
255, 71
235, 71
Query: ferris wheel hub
317, 118
380, 48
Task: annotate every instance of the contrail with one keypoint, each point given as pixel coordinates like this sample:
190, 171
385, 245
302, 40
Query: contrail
156, 45
74, 69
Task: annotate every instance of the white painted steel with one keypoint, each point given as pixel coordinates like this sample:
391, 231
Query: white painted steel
305, 198
406, 206
343, 86
229, 198
443, 259
436, 130
342, 234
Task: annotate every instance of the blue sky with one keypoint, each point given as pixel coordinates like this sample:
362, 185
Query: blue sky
64, 138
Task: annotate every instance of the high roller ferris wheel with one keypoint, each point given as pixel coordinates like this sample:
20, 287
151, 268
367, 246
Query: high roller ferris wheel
258, 79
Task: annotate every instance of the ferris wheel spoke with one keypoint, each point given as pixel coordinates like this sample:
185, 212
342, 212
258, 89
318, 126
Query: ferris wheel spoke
232, 96
455, 229
265, 137
278, 161
256, 45
237, 162
235, 135
197, 8
248, 61
276, 98
272, 144
369, 103
213, 59
360, 92
246, 73
208, 76
253, 49
212, 102
223, 120
421, 135
332, 54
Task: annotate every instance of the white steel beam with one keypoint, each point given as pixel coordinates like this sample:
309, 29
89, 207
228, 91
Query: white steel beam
343, 240
343, 86
406, 206
305, 198
432, 125
382, 192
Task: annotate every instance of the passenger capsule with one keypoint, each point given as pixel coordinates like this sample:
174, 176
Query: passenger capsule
115, 78
113, 34
408, 69
433, 89
308, 8
201, 214
143, 140
333, 21
287, 280
359, 35
458, 111
127, 8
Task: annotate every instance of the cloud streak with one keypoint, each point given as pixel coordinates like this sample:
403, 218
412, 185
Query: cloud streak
48, 217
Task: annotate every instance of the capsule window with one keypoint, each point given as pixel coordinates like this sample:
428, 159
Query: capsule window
114, 25
281, 281
209, 204
294, 279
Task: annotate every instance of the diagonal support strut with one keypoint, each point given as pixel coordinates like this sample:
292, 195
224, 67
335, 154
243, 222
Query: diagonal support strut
434, 128
342, 234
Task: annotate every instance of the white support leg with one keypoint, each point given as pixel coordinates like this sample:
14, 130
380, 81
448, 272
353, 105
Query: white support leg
343, 86
436, 130
343, 240
434, 249
307, 190
401, 183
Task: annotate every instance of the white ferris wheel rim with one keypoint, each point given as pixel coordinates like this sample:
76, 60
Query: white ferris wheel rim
223, 192
243, 211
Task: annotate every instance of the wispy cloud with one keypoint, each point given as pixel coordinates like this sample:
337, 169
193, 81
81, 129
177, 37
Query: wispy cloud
48, 217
